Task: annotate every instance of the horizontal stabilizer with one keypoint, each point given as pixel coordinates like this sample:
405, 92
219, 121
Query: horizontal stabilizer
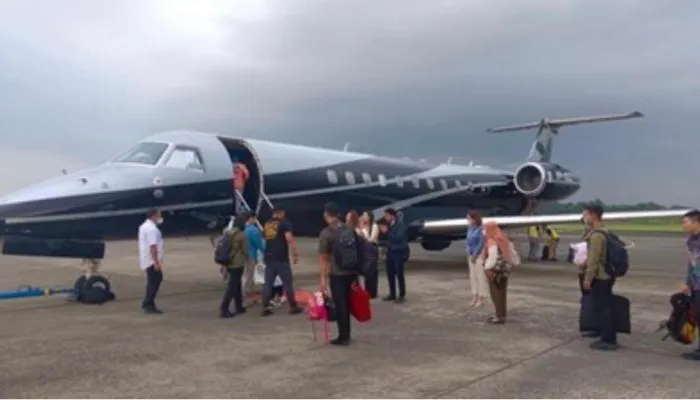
556, 123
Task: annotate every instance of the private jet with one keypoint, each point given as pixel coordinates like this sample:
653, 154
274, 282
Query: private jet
188, 175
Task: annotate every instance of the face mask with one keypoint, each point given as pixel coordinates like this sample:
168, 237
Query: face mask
159, 221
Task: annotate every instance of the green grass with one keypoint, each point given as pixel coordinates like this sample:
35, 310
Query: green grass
652, 225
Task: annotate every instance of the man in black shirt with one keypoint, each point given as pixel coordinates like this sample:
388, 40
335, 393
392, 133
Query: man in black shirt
278, 241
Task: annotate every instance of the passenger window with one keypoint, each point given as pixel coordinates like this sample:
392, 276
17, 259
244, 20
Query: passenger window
443, 184
399, 181
416, 182
366, 178
332, 177
185, 159
350, 178
431, 184
382, 180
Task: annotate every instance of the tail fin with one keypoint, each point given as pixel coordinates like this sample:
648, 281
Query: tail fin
547, 128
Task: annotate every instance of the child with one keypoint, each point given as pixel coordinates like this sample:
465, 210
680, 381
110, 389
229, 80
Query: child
277, 293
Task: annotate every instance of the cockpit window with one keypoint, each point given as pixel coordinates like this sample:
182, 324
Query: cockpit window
185, 158
143, 153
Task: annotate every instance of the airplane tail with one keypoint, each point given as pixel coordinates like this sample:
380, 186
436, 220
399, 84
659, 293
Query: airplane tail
548, 128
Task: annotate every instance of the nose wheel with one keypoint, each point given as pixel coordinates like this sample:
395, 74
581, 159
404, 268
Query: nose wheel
91, 286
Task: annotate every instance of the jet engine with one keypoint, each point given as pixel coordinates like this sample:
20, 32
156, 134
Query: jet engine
435, 244
536, 179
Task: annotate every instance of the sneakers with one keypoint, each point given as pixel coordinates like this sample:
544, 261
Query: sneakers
692, 355
604, 346
339, 342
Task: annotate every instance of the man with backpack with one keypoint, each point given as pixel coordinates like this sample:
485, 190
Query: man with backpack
232, 253
691, 225
341, 257
605, 261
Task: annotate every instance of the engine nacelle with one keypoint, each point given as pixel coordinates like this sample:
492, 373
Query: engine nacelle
534, 179
435, 244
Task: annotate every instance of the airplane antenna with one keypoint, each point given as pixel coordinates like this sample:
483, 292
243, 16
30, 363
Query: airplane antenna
449, 160
548, 128
346, 147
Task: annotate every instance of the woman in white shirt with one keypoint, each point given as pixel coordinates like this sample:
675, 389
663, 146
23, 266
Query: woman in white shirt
368, 230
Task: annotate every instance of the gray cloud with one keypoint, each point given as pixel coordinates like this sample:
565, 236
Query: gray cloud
401, 77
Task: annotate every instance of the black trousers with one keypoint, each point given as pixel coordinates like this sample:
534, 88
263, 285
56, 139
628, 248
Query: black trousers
340, 286
284, 270
153, 280
371, 275
395, 272
234, 290
603, 304
696, 300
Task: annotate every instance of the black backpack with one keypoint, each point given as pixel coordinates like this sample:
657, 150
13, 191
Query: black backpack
224, 251
617, 261
348, 253
681, 323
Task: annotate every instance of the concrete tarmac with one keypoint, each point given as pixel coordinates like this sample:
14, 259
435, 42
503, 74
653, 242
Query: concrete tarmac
432, 346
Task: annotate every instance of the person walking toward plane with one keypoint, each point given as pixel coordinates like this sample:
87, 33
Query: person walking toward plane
238, 259
691, 225
596, 279
499, 258
397, 254
151, 254
370, 232
278, 242
256, 245
474, 248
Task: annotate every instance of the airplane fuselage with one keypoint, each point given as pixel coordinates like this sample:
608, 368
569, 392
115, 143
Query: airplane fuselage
189, 176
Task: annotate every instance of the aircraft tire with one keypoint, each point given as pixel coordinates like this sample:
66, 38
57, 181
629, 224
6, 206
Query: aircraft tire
95, 280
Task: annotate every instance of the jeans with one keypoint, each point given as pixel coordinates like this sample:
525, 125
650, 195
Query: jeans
234, 291
603, 304
340, 286
395, 272
284, 270
153, 280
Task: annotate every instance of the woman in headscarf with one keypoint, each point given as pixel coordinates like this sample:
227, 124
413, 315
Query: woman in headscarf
499, 257
474, 248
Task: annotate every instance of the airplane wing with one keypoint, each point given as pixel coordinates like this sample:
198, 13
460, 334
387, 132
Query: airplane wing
457, 226
557, 123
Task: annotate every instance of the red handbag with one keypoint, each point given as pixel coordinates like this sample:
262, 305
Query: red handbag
360, 307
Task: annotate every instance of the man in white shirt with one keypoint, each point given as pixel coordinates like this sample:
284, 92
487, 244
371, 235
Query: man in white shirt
151, 259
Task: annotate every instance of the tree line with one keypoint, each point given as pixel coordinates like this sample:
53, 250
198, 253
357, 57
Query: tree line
569, 208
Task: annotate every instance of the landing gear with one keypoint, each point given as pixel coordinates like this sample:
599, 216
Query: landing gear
91, 287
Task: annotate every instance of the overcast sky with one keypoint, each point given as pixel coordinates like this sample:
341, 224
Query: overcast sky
83, 79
